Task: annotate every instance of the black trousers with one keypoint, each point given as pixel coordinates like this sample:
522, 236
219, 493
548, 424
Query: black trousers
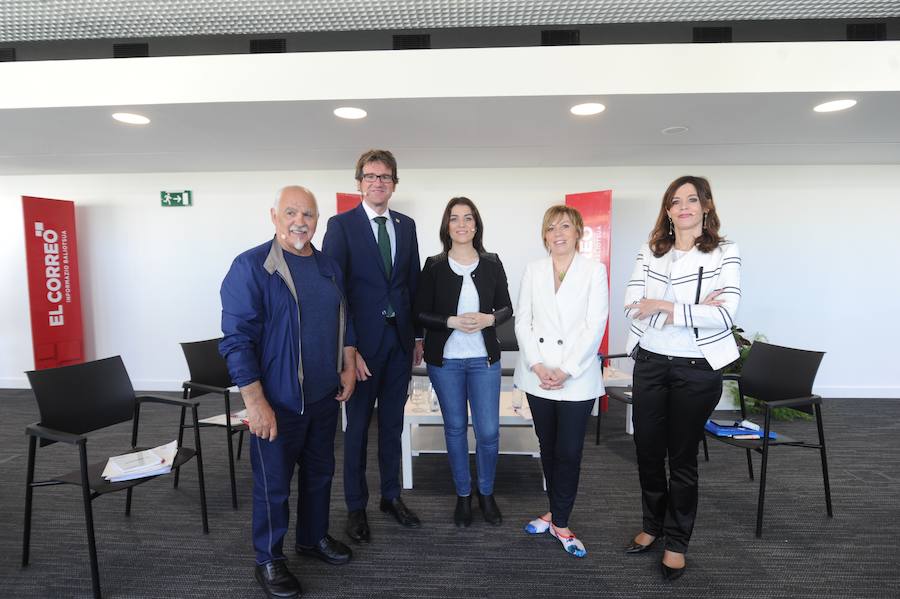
560, 427
673, 398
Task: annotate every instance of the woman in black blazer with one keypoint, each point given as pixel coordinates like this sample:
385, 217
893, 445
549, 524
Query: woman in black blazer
462, 297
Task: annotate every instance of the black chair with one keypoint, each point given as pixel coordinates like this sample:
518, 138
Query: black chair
612, 392
779, 377
209, 374
74, 401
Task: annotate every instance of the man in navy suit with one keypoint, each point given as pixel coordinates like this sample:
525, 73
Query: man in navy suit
378, 252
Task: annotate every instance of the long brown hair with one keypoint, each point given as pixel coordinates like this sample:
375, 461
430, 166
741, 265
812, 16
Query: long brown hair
661, 240
445, 224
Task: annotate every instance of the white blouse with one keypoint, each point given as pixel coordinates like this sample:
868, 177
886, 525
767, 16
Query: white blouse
462, 345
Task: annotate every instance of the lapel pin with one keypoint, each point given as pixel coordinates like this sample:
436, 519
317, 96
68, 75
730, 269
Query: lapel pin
397, 220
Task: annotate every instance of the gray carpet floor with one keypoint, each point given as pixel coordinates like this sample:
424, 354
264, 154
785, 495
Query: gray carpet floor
160, 551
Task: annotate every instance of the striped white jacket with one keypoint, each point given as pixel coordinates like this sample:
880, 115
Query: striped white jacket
712, 324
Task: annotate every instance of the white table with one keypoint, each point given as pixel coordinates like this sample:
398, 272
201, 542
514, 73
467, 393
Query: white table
423, 432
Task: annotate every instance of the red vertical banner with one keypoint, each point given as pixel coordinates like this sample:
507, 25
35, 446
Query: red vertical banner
595, 208
347, 201
51, 256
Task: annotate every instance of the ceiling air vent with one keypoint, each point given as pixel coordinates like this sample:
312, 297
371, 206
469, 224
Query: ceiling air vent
418, 41
131, 50
866, 32
268, 46
560, 37
7, 54
706, 35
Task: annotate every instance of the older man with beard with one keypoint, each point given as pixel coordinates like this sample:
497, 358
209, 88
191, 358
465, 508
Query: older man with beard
290, 348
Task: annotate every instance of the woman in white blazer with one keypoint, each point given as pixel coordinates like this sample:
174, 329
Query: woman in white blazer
681, 301
560, 319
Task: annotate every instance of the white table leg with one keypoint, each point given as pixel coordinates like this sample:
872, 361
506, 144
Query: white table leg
629, 425
406, 453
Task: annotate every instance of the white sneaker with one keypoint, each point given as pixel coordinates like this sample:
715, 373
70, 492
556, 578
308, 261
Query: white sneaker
570, 543
538, 526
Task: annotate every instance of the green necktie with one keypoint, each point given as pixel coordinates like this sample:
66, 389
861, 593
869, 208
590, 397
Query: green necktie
384, 248
384, 244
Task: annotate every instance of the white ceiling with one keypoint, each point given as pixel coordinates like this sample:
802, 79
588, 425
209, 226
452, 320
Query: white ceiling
36, 20
765, 128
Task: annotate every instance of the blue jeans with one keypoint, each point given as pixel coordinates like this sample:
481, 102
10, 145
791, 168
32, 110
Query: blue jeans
475, 380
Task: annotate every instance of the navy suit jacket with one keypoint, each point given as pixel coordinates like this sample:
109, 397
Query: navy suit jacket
351, 242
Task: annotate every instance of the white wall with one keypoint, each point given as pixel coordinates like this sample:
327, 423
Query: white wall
818, 243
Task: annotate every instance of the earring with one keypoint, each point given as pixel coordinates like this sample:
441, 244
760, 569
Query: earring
704, 219
671, 227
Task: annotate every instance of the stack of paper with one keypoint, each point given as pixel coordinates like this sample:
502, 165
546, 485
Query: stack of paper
239, 417
141, 464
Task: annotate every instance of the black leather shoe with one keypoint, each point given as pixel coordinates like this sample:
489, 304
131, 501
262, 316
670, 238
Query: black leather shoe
490, 510
462, 515
328, 550
398, 510
358, 526
277, 581
670, 574
635, 547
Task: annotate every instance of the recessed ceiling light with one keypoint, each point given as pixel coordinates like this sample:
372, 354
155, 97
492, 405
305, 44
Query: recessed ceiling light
130, 118
835, 105
587, 109
676, 130
349, 112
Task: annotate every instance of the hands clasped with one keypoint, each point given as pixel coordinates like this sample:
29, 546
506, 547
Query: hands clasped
551, 378
470, 322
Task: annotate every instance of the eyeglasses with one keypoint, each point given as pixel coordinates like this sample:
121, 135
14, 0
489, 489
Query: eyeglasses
372, 177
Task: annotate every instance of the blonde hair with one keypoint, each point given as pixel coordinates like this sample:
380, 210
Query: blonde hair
558, 212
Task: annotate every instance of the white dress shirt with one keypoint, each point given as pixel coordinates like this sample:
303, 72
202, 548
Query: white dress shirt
390, 228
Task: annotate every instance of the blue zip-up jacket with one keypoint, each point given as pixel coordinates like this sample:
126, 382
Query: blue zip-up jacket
261, 323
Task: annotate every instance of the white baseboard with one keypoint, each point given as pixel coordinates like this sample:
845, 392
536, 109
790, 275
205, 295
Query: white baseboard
839, 391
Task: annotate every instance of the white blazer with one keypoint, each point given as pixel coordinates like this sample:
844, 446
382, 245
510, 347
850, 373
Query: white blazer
562, 328
721, 271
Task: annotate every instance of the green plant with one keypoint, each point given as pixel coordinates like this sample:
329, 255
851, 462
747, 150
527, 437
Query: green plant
753, 405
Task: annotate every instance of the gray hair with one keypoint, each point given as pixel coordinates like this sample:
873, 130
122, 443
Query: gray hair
298, 187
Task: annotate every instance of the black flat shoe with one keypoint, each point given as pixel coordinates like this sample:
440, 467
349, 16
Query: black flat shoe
277, 581
358, 526
329, 550
490, 510
670, 574
462, 515
398, 510
634, 547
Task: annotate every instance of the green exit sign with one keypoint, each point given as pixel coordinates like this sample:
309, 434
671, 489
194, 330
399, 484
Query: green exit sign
176, 198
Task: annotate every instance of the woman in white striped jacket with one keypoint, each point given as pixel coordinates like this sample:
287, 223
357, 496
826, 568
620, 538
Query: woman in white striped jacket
681, 301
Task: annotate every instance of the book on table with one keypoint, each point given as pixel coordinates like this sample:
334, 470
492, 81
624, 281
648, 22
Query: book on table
723, 428
141, 464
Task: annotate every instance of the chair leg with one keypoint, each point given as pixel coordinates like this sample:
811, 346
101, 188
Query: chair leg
234, 502
199, 457
29, 492
762, 474
240, 444
819, 426
599, 418
180, 439
89, 521
705, 448
128, 501
750, 463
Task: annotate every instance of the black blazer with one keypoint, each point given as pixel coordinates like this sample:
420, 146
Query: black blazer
437, 300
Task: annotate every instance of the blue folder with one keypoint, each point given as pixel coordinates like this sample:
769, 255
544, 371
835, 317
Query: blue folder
736, 431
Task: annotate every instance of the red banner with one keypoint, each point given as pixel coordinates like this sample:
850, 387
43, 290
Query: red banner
51, 255
595, 208
347, 201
